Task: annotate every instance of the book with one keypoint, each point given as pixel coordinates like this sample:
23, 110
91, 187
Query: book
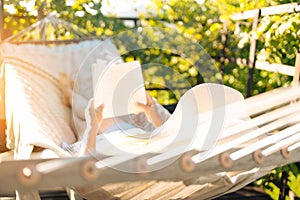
119, 87
203, 118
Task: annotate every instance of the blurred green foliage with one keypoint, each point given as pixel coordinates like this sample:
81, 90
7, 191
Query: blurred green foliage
206, 23
272, 181
84, 13
227, 42
168, 60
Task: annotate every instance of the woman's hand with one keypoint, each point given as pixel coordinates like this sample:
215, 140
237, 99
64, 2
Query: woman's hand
151, 111
94, 114
93, 121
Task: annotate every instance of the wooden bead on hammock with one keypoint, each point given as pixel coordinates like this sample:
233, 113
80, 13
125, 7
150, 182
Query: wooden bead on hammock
258, 157
141, 165
285, 153
88, 170
225, 160
28, 176
186, 162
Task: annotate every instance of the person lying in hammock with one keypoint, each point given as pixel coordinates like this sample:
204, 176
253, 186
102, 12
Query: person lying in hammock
152, 113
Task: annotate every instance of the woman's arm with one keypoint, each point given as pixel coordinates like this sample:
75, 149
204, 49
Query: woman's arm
93, 120
151, 111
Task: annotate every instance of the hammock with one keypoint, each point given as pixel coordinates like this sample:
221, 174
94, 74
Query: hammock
228, 166
247, 149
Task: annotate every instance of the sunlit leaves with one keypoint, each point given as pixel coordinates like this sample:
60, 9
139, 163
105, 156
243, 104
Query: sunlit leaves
84, 13
281, 40
169, 60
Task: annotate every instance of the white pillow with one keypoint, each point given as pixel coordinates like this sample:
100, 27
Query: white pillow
34, 110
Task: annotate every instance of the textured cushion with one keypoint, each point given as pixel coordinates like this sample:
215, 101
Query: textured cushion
34, 111
35, 114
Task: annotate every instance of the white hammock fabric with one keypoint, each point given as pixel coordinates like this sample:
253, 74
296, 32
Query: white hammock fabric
34, 111
242, 154
228, 167
31, 73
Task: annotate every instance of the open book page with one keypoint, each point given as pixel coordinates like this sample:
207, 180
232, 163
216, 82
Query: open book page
119, 87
